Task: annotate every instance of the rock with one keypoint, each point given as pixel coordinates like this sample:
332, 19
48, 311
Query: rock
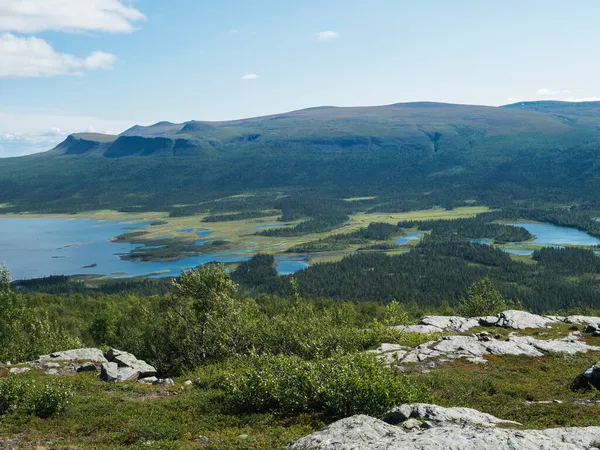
581, 320
439, 415
488, 321
592, 374
592, 328
356, 432
81, 354
52, 372
391, 353
452, 323
148, 380
520, 320
127, 374
474, 348
165, 382
52, 365
367, 433
421, 329
243, 436
109, 371
580, 384
411, 424
188, 383
124, 359
19, 370
86, 367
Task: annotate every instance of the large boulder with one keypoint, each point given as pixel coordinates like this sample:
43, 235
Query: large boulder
452, 323
112, 373
443, 416
124, 359
80, 354
444, 428
592, 375
475, 347
520, 320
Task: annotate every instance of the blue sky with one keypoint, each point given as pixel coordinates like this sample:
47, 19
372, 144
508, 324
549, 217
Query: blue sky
104, 65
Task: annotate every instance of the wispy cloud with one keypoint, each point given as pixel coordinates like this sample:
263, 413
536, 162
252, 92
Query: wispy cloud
234, 31
33, 16
32, 57
19, 144
546, 91
327, 35
250, 76
592, 98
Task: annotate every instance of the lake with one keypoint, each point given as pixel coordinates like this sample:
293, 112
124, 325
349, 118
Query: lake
403, 240
40, 247
552, 235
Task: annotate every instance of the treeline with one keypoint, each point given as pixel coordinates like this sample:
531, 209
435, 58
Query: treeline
436, 273
374, 232
64, 285
472, 228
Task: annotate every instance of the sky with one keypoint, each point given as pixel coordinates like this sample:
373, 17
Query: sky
104, 65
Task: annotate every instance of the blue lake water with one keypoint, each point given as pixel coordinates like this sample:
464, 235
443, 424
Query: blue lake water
516, 251
39, 247
408, 238
290, 266
553, 235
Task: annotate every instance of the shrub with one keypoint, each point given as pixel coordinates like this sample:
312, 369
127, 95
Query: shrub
484, 299
23, 394
12, 393
339, 386
49, 399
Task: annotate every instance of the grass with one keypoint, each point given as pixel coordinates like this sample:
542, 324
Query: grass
108, 416
510, 387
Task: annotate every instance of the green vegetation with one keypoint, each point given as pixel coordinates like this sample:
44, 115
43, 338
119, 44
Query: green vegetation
483, 299
26, 395
338, 387
23, 333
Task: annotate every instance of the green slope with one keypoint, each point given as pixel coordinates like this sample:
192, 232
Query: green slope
428, 153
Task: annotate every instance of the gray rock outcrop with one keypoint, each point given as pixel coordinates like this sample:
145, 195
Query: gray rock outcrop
514, 319
80, 354
475, 347
124, 359
444, 428
521, 320
439, 415
115, 365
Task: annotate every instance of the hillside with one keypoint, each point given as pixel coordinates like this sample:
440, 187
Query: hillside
455, 153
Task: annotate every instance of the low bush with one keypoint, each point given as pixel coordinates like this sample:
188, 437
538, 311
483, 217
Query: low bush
25, 395
338, 387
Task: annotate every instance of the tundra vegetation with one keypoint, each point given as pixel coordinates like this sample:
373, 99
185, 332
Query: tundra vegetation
267, 369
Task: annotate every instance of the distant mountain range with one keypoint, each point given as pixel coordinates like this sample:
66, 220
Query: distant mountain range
427, 124
516, 151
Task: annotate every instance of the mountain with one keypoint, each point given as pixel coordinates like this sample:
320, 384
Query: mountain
329, 127
428, 153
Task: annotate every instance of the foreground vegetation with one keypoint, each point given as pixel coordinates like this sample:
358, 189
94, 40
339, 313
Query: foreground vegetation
267, 371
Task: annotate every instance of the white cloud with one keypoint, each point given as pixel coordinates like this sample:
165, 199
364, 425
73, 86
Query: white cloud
234, 31
20, 144
592, 98
546, 91
32, 16
327, 35
249, 76
31, 57
24, 133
